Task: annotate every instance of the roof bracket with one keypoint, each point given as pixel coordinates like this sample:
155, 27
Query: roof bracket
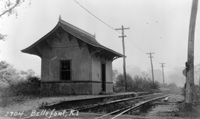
80, 44
38, 51
58, 36
70, 37
49, 44
93, 51
67, 35
90, 49
114, 58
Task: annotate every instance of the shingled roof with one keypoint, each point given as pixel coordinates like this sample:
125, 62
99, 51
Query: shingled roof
77, 32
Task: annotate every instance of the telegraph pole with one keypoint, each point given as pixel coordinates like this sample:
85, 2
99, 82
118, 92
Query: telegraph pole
124, 60
190, 57
150, 56
199, 81
162, 65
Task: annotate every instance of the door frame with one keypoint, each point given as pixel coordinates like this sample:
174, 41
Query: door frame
103, 76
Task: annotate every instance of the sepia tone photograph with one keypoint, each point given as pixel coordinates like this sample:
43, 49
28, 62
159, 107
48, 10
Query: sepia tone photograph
99, 59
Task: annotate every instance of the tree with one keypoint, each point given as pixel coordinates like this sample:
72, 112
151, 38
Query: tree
10, 75
119, 85
145, 75
115, 73
9, 7
176, 76
136, 84
6, 72
172, 85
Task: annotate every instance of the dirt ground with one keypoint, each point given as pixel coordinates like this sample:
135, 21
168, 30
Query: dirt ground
161, 111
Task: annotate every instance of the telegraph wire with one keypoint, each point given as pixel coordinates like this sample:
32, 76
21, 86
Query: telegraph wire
108, 25
94, 15
136, 45
140, 49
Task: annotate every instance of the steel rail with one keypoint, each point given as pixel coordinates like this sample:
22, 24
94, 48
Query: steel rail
112, 102
125, 110
138, 105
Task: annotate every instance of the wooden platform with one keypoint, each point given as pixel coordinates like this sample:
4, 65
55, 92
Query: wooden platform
90, 99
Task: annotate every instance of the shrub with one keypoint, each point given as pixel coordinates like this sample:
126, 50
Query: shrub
119, 84
34, 80
20, 91
136, 84
197, 95
29, 87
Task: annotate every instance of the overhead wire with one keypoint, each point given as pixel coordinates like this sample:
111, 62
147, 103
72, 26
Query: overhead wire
107, 25
136, 46
140, 49
94, 15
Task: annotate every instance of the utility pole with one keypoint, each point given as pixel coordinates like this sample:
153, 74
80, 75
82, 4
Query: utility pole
124, 57
199, 81
150, 56
162, 65
190, 57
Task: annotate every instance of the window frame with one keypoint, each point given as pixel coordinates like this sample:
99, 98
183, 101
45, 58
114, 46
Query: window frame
70, 70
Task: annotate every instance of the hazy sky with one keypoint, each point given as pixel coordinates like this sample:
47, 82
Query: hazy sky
159, 26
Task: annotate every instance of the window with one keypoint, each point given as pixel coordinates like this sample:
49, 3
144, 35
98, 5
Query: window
65, 70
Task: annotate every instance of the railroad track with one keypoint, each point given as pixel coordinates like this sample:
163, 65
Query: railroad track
126, 105
72, 104
118, 112
110, 106
113, 102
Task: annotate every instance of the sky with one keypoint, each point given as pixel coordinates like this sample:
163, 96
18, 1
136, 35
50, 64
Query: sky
158, 26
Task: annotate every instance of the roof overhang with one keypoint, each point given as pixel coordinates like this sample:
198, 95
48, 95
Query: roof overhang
78, 33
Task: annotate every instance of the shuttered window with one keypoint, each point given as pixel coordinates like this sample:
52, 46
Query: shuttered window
65, 70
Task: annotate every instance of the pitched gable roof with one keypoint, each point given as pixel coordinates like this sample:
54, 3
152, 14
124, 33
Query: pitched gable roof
83, 35
77, 32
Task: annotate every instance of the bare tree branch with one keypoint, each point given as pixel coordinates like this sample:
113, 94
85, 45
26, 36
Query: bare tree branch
11, 8
3, 79
2, 37
8, 8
